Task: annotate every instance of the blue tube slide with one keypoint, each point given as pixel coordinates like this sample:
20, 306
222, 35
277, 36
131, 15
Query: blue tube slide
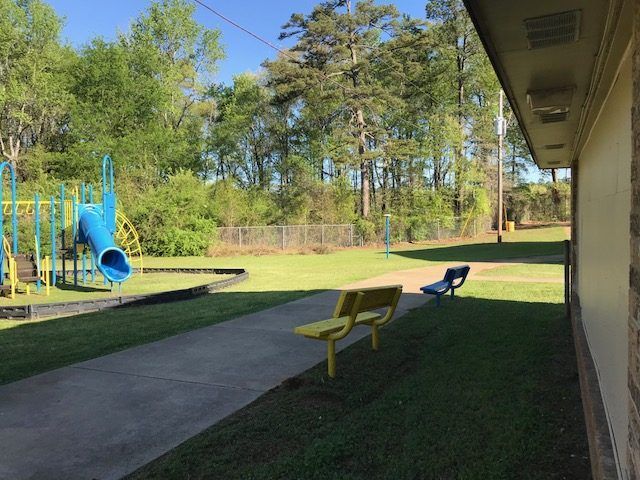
110, 260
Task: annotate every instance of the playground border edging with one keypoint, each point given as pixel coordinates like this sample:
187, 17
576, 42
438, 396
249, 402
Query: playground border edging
46, 310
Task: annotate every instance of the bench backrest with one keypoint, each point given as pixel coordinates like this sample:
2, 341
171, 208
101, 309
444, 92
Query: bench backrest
372, 299
455, 273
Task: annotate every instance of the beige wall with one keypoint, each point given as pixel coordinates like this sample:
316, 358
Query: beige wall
603, 249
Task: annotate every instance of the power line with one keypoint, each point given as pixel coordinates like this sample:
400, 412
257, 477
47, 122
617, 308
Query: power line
320, 74
265, 41
245, 30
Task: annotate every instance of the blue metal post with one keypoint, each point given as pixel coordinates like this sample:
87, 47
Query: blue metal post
107, 188
63, 232
1, 229
37, 215
52, 222
1, 207
14, 212
106, 160
84, 255
91, 258
74, 226
387, 231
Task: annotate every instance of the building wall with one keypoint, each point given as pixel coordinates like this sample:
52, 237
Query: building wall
634, 277
602, 230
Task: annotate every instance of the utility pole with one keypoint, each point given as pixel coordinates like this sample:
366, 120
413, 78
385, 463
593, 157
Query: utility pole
500, 128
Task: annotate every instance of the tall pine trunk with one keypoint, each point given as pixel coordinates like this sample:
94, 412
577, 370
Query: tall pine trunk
365, 168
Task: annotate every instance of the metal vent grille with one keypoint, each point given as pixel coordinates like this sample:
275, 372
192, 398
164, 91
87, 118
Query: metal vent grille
554, 146
552, 30
554, 117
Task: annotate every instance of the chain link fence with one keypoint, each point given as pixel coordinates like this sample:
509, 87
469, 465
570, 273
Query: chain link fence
346, 235
437, 229
290, 236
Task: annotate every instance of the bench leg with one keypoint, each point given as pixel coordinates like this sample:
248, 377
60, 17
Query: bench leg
331, 358
375, 337
437, 300
452, 290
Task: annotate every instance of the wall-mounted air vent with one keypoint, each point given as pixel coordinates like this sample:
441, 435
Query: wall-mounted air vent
551, 30
554, 117
554, 146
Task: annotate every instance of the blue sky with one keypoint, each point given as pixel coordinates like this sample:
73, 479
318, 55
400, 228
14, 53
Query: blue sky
85, 19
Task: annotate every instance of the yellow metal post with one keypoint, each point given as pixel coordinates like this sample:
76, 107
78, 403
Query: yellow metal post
375, 338
47, 273
12, 276
28, 289
331, 357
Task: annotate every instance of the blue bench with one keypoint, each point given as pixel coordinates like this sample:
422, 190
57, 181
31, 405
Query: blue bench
453, 278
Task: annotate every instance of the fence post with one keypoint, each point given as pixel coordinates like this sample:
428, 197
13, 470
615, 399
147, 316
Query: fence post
283, 242
351, 234
322, 234
438, 228
240, 236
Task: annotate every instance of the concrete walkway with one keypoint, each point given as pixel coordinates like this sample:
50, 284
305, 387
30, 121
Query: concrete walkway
105, 417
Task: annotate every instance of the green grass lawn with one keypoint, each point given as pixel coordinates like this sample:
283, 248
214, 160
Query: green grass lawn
33, 347
484, 387
302, 272
532, 270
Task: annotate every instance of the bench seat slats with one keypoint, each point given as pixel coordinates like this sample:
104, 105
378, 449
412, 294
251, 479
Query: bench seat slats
325, 327
436, 287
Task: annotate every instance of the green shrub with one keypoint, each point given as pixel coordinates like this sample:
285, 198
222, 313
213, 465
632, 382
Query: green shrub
366, 229
175, 218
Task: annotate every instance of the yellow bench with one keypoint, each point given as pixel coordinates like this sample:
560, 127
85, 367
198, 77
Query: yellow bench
354, 307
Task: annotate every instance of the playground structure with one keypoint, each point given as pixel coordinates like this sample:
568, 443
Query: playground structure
94, 237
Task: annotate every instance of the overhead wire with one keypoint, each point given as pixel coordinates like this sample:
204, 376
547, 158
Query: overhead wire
286, 54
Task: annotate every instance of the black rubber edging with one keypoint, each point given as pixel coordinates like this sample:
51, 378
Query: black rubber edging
46, 310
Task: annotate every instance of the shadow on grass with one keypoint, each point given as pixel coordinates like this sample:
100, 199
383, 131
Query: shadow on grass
33, 347
81, 288
477, 389
478, 252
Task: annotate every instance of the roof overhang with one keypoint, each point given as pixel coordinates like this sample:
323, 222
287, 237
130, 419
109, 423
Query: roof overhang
556, 61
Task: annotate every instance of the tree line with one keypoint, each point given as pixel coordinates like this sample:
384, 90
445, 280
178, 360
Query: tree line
368, 112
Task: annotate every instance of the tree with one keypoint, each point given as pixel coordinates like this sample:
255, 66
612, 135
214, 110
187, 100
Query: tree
335, 43
179, 52
33, 81
517, 156
238, 136
460, 48
144, 98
